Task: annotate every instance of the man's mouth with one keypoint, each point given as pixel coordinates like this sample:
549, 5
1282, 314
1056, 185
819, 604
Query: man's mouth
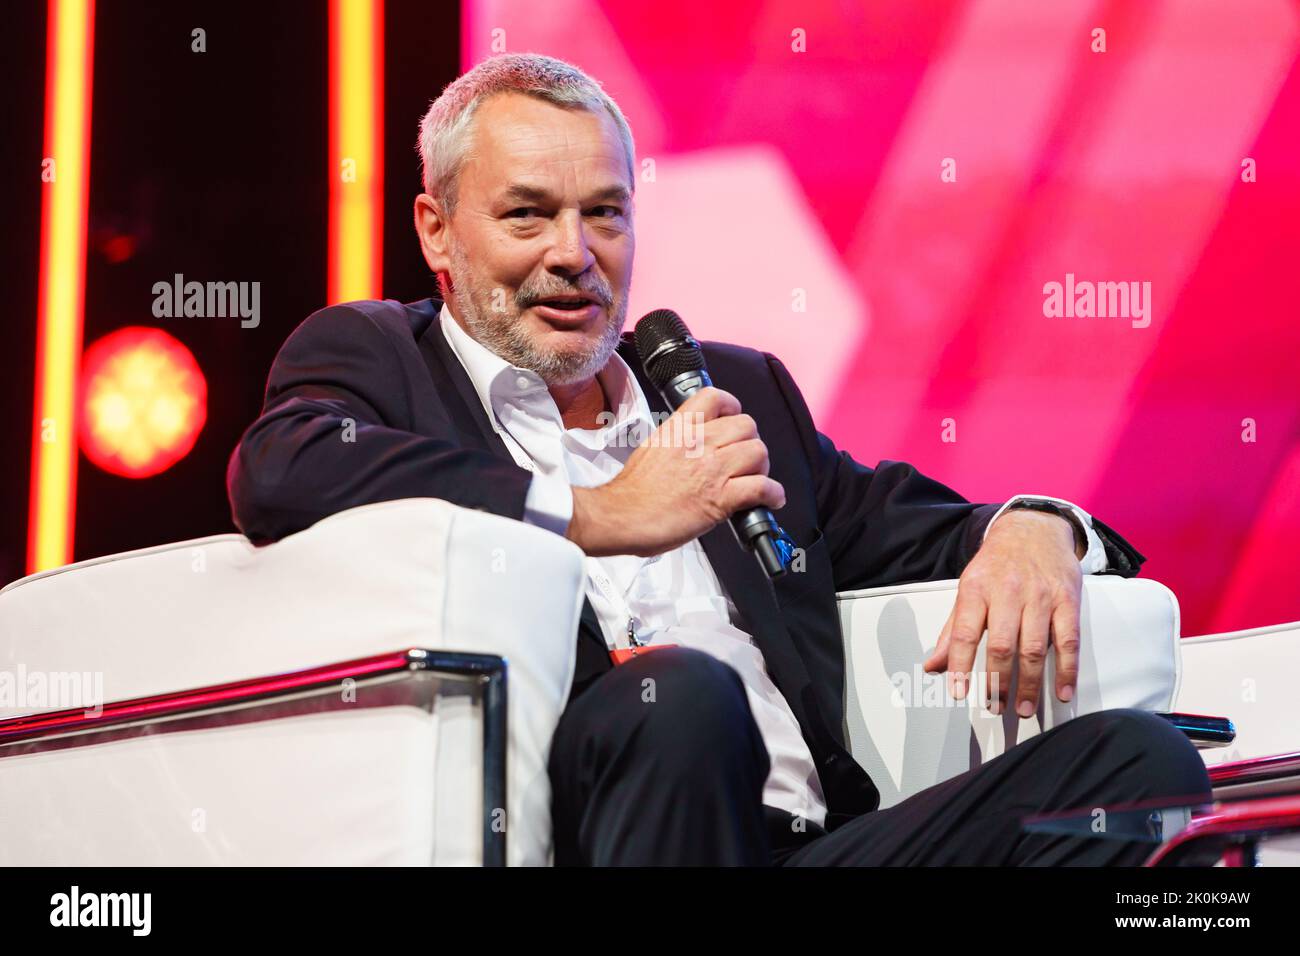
568, 303
572, 312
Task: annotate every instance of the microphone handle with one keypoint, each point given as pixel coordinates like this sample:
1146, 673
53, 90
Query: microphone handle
755, 528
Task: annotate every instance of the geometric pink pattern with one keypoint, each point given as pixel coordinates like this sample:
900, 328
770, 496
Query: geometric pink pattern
821, 171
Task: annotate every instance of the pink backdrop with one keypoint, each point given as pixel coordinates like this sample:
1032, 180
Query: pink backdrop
797, 205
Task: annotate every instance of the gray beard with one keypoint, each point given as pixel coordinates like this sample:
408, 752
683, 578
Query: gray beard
505, 336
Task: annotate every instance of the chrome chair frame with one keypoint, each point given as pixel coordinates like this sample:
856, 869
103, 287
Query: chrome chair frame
402, 677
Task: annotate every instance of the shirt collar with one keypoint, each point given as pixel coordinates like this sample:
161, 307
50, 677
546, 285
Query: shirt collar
499, 383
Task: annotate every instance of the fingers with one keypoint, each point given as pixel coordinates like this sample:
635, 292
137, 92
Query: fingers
710, 403
1065, 638
969, 615
1034, 623
999, 658
1015, 630
938, 661
708, 420
747, 457
752, 491
721, 432
1026, 588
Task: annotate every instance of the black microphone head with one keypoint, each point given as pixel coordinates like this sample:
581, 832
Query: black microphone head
666, 347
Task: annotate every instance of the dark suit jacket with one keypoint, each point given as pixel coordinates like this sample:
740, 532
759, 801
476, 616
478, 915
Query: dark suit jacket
421, 432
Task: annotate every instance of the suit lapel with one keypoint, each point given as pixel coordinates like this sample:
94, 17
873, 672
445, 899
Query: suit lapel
468, 411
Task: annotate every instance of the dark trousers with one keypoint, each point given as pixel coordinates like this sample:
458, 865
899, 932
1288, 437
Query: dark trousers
660, 762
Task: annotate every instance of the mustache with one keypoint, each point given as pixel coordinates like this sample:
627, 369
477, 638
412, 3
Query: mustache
600, 292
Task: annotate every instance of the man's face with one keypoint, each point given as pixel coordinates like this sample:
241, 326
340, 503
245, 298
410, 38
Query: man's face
544, 210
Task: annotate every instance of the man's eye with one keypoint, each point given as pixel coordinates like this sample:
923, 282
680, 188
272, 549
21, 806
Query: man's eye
609, 211
523, 212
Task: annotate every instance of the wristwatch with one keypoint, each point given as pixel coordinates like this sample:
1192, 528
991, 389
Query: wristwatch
1051, 507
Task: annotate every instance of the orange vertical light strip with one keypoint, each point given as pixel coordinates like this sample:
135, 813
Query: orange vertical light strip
356, 150
69, 67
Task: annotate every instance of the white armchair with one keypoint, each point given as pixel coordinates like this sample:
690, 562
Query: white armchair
307, 735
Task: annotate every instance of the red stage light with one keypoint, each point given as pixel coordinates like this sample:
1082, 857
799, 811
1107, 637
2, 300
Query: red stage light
144, 401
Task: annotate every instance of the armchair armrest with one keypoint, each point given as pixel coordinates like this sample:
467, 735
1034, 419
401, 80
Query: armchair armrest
1247, 676
909, 734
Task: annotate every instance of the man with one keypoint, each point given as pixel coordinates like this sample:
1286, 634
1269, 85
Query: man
519, 397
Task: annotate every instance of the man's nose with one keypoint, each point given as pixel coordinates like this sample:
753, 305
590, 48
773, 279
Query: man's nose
569, 252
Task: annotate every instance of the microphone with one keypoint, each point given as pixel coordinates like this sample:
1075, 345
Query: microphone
674, 362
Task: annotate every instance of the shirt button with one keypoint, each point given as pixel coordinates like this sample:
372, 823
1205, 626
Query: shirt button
523, 383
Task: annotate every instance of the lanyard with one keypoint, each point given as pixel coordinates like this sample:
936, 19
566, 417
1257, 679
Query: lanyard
605, 589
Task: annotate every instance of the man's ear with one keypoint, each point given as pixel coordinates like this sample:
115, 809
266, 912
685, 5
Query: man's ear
431, 227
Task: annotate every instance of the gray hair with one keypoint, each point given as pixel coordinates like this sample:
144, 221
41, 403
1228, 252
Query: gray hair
444, 142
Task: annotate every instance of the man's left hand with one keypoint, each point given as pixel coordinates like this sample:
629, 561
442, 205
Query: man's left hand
1024, 586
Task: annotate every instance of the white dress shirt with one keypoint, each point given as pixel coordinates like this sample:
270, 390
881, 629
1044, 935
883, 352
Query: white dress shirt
674, 598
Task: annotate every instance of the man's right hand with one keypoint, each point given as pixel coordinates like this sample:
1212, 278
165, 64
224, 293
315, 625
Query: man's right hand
701, 466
